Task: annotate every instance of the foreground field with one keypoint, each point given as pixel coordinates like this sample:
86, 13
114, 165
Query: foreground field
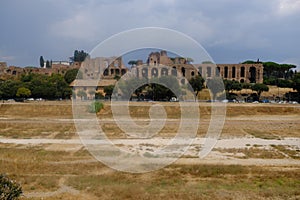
257, 156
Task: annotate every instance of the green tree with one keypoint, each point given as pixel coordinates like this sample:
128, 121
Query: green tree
130, 86
48, 64
132, 62
189, 60
232, 86
108, 90
165, 87
95, 107
259, 88
79, 56
9, 88
197, 84
23, 92
9, 189
284, 83
72, 74
42, 61
296, 82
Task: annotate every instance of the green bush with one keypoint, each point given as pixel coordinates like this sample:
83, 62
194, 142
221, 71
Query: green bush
95, 107
9, 189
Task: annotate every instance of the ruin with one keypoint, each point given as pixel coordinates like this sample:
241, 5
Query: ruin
159, 64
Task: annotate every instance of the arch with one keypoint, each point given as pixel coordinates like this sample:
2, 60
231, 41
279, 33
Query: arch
112, 71
154, 72
226, 72
242, 71
242, 81
233, 72
174, 71
123, 71
252, 77
105, 73
117, 71
192, 73
208, 69
218, 69
164, 72
200, 71
183, 71
145, 72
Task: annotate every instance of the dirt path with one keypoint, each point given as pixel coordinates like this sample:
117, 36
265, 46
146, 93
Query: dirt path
191, 156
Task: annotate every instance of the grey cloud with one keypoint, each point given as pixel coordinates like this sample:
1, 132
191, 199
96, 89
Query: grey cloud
231, 30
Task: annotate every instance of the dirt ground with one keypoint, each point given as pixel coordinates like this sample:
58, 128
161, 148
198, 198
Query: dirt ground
256, 156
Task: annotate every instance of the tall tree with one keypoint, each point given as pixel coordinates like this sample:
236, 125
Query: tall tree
48, 64
197, 84
79, 56
42, 61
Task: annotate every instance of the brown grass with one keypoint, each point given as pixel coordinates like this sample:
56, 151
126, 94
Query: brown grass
40, 168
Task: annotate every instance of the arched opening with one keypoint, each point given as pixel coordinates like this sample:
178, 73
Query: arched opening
117, 71
252, 77
218, 71
192, 73
174, 71
105, 73
183, 71
233, 72
154, 72
145, 72
225, 72
123, 71
112, 71
208, 71
164, 72
242, 81
200, 71
242, 71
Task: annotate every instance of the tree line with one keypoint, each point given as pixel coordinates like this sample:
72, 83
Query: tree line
37, 86
167, 87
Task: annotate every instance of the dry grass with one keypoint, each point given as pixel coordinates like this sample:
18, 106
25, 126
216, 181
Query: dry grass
40, 171
41, 168
253, 152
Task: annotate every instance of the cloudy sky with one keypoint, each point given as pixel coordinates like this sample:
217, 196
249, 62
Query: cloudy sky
230, 30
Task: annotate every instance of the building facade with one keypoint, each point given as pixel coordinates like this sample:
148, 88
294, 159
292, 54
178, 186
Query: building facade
159, 64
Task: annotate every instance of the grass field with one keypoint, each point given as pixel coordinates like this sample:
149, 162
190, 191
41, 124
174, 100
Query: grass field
264, 168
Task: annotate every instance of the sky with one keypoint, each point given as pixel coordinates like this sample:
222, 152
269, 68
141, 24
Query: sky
231, 31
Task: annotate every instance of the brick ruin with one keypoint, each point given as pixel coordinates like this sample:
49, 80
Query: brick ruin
159, 64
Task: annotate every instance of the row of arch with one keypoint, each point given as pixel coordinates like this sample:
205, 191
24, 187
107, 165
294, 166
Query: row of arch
114, 72
240, 73
165, 72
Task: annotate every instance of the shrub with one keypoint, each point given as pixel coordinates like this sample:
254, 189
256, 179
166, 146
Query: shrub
9, 189
95, 107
